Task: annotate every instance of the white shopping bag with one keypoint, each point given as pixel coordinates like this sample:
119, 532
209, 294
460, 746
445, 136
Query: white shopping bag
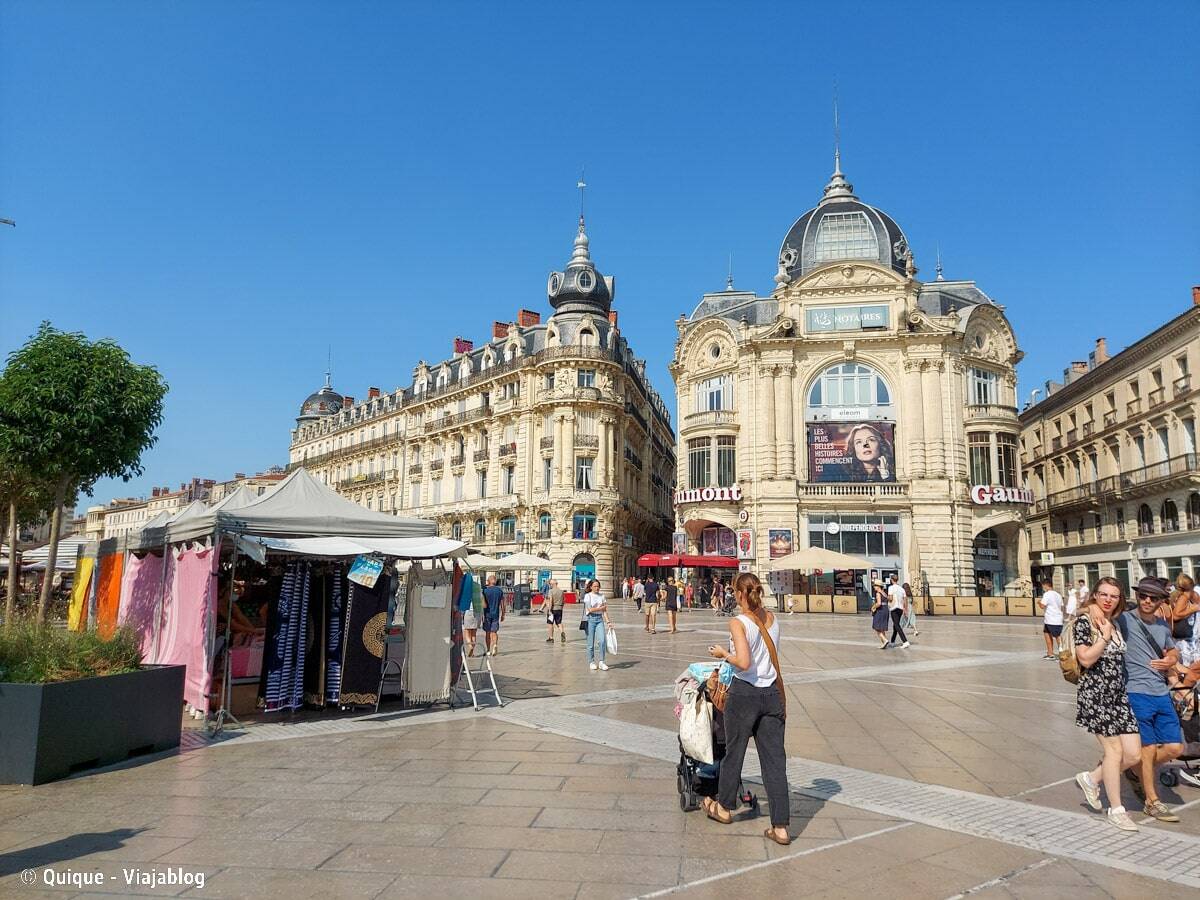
610, 640
696, 730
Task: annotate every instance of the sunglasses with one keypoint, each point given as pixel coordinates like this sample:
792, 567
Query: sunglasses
1147, 597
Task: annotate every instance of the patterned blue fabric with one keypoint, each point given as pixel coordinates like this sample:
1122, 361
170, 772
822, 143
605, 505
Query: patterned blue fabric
333, 646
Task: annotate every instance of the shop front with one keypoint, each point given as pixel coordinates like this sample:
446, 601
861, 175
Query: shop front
875, 538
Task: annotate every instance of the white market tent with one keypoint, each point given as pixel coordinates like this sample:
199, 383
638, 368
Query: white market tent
70, 549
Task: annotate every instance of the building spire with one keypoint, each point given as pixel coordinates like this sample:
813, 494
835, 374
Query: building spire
328, 366
729, 276
838, 188
938, 267
581, 254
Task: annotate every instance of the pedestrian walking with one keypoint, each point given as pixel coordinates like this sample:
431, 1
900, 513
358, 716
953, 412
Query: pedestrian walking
910, 617
626, 588
689, 594
671, 602
881, 618
1051, 603
493, 615
651, 609
595, 608
639, 593
1102, 706
755, 705
1150, 656
897, 606
552, 603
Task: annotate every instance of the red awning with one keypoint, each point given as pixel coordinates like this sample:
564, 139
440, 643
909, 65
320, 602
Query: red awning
658, 559
714, 562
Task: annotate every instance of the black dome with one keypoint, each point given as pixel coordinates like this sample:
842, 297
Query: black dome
325, 402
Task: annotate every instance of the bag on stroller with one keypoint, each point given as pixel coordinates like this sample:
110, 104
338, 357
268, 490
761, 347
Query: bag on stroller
696, 779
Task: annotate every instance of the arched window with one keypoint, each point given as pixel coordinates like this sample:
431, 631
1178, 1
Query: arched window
583, 526
1168, 513
464, 371
508, 529
456, 531
845, 236
1145, 520
849, 384
587, 337
480, 530
544, 526
1193, 511
487, 361
442, 378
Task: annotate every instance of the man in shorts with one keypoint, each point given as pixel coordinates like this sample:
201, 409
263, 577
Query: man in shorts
1149, 655
1051, 603
672, 604
552, 603
493, 615
650, 607
639, 593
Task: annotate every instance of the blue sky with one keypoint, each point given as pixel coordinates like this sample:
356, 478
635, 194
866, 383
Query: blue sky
227, 189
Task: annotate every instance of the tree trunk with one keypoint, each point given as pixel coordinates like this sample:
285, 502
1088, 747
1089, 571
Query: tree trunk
60, 497
10, 601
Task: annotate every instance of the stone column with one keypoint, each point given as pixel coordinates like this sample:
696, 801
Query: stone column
602, 454
785, 438
931, 390
913, 420
558, 450
767, 385
569, 449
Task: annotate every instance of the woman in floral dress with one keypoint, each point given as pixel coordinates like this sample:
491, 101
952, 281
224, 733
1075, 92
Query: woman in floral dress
1103, 705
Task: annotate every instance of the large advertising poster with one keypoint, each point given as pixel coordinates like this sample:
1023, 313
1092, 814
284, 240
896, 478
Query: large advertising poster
781, 542
851, 451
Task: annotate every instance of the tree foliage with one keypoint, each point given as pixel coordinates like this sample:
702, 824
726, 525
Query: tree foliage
73, 411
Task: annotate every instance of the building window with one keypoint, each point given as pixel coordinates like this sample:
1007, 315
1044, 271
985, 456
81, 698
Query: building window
456, 531
985, 387
699, 462
1098, 524
510, 479
544, 526
1120, 523
1145, 520
1164, 443
415, 498
583, 526
714, 393
1079, 531
726, 461
1139, 444
587, 377
1193, 511
583, 474
482, 484
1006, 460
508, 529
547, 473
550, 381
437, 491
849, 384
980, 451
458, 487
1168, 514
845, 236
480, 530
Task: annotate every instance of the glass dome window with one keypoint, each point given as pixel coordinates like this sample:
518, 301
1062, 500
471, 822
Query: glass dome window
845, 236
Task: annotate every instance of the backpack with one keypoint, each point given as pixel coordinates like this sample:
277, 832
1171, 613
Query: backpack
1068, 662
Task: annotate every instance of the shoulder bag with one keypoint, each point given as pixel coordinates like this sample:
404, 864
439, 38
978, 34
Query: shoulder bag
1068, 662
718, 692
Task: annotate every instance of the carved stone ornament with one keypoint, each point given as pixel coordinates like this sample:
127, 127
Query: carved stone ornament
848, 349
848, 272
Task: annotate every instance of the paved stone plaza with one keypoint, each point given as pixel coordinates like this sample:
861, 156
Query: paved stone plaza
940, 771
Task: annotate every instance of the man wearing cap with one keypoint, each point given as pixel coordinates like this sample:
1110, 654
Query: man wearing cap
1149, 655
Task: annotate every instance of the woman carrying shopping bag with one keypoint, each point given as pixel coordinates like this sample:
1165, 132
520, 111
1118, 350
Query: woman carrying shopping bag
595, 608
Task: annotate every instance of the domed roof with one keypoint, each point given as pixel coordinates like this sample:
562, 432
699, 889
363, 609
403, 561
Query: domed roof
580, 288
841, 227
325, 402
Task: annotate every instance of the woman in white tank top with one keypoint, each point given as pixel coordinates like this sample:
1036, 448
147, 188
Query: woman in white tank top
755, 706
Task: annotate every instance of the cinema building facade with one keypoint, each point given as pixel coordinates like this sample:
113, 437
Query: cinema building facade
855, 408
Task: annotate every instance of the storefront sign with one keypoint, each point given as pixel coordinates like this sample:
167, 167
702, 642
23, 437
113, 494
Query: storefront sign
745, 543
781, 542
851, 451
859, 526
708, 495
745, 566
847, 318
1046, 558
853, 413
985, 494
987, 552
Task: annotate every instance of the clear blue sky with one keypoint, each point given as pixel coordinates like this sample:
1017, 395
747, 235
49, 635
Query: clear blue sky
226, 189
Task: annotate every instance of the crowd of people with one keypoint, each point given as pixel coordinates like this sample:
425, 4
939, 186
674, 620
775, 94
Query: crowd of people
1137, 672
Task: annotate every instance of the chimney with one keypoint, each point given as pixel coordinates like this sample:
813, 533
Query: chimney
1196, 295
1101, 352
612, 318
154, 493
347, 402
499, 330
1079, 367
527, 317
372, 393
463, 346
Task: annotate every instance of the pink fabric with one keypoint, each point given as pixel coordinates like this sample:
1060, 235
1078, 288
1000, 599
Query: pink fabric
140, 584
187, 616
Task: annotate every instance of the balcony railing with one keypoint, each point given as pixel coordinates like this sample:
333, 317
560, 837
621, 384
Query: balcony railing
1072, 436
1110, 418
991, 411
1133, 407
896, 489
481, 455
462, 418
362, 480
458, 460
436, 465
1156, 397
1181, 385
1088, 428
710, 418
1056, 443
632, 410
415, 469
546, 443
1127, 482
587, 440
508, 450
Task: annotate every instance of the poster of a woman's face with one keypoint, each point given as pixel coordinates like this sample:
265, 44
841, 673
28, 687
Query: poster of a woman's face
851, 451
873, 458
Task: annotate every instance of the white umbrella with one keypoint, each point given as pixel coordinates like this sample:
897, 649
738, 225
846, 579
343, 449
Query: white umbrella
818, 558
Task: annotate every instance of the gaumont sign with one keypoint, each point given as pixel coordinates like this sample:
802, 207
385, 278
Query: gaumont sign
985, 494
708, 495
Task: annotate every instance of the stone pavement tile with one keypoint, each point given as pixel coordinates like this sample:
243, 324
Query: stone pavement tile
565, 800
664, 787
222, 826
399, 833
550, 757
347, 810
61, 819
430, 752
282, 884
13, 838
440, 887
1068, 877
610, 820
480, 766
661, 870
608, 890
305, 790
500, 782
12, 886
988, 859
371, 772
677, 844
605, 759
504, 742
451, 815
117, 844
252, 853
398, 792
572, 770
573, 840
416, 860
188, 806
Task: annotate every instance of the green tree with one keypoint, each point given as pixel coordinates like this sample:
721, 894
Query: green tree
24, 500
73, 411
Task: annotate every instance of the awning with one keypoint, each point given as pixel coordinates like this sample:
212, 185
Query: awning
713, 562
409, 548
811, 558
658, 559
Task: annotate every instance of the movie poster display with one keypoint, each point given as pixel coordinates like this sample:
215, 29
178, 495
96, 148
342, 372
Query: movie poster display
851, 451
709, 541
780, 540
726, 542
679, 543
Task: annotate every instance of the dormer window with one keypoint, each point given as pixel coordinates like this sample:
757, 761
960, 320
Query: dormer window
845, 236
586, 280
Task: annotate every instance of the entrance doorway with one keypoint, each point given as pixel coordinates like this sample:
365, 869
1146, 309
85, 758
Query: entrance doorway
583, 570
988, 564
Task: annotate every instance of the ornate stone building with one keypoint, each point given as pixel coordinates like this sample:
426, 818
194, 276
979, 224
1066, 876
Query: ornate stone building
1110, 455
549, 438
855, 408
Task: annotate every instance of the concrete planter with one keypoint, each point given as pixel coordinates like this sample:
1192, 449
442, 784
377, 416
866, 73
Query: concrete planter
820, 603
51, 731
846, 606
994, 606
966, 606
1020, 606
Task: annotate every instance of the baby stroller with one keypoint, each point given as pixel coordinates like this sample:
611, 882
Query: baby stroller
696, 779
1187, 704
